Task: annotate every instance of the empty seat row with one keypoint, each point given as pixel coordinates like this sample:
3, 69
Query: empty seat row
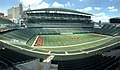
10, 58
96, 62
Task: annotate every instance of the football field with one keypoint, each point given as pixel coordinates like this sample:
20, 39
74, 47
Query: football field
67, 42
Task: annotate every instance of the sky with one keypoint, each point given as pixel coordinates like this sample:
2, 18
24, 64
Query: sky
101, 9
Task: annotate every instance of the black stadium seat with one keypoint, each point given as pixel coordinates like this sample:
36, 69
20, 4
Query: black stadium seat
10, 58
97, 62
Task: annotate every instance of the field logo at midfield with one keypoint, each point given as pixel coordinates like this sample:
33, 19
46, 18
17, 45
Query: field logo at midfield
76, 38
39, 41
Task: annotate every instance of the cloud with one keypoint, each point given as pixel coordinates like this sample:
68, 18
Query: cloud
34, 4
100, 17
42, 5
30, 2
81, 0
4, 11
87, 9
68, 4
98, 8
56, 4
112, 9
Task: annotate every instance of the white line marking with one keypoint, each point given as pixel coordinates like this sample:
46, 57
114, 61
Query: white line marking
7, 42
74, 45
66, 52
34, 41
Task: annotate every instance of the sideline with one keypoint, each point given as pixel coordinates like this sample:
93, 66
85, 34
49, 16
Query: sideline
34, 42
82, 52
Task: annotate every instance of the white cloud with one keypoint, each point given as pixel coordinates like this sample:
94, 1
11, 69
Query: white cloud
42, 5
4, 11
87, 9
100, 17
81, 0
34, 4
79, 10
30, 2
68, 4
98, 8
56, 4
112, 9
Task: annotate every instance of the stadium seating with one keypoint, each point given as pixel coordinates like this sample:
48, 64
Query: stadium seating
6, 25
63, 25
57, 20
10, 58
108, 29
25, 34
97, 62
57, 15
5, 21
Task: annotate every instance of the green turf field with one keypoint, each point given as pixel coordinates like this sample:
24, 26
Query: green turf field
69, 42
65, 40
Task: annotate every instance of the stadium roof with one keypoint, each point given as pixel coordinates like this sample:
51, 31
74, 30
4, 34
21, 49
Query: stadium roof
59, 9
115, 18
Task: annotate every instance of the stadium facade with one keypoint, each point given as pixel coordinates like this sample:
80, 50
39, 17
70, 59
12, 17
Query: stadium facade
115, 21
57, 17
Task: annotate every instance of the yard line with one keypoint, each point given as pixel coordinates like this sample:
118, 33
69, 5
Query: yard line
74, 45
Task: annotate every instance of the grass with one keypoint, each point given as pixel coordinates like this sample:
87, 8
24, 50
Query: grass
55, 43
31, 40
60, 50
65, 40
77, 48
